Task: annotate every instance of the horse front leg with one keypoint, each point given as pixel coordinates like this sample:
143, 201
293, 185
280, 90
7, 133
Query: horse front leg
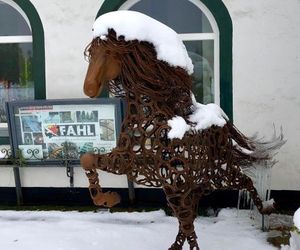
90, 163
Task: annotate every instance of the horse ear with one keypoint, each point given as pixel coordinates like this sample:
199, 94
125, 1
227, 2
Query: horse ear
112, 33
121, 38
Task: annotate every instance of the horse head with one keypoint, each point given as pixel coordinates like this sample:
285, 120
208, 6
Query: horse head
132, 66
104, 66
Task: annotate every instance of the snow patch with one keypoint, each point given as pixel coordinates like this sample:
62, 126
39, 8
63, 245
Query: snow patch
178, 127
203, 117
137, 26
268, 203
243, 150
206, 116
296, 219
29, 230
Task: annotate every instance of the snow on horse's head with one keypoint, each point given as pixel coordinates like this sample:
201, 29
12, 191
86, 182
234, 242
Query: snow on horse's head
134, 66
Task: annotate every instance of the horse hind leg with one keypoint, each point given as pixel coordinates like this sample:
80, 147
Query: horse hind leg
186, 232
243, 181
179, 241
184, 208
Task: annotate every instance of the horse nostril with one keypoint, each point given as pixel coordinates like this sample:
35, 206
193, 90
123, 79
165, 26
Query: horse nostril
92, 87
89, 90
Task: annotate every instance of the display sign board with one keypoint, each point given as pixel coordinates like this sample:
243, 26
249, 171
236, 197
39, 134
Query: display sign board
51, 130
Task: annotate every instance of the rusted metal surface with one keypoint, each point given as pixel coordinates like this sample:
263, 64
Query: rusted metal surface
186, 168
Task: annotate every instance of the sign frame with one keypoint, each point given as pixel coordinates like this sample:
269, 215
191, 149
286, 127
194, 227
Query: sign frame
76, 129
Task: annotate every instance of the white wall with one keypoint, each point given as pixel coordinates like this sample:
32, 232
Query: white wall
266, 76
68, 29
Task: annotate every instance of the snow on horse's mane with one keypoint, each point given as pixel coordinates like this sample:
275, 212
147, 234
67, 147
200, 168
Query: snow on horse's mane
137, 26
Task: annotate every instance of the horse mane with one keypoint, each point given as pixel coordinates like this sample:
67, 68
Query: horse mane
143, 74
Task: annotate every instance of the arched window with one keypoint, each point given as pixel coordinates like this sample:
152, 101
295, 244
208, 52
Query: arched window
22, 66
198, 30
206, 29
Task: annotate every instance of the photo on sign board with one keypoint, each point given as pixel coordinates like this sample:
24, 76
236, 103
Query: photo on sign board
28, 139
66, 117
31, 124
38, 138
62, 150
55, 151
53, 117
87, 116
107, 129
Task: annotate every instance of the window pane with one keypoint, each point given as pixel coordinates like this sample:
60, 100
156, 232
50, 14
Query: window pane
202, 55
15, 74
181, 15
11, 22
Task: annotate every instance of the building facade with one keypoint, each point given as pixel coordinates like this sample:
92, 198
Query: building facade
246, 57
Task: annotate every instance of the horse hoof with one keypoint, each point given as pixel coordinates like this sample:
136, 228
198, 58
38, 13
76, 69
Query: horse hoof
112, 199
268, 207
108, 199
87, 161
175, 247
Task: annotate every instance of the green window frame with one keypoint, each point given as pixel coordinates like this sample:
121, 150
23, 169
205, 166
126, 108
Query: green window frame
38, 53
224, 22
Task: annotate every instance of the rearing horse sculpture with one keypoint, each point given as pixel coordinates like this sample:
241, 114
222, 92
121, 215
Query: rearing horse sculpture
186, 168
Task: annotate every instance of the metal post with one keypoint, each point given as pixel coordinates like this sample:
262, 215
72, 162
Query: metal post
131, 192
18, 186
70, 174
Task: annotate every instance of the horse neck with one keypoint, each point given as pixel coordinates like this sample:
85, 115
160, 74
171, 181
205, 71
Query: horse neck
142, 107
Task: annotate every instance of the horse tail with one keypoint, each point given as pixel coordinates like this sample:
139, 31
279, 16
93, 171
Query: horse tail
251, 151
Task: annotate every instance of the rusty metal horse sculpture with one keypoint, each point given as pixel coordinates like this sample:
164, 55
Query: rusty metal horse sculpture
187, 168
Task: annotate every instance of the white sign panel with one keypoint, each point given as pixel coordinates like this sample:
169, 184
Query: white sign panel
59, 131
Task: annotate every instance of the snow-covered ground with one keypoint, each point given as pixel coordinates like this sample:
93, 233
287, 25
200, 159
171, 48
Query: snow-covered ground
297, 219
32, 230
